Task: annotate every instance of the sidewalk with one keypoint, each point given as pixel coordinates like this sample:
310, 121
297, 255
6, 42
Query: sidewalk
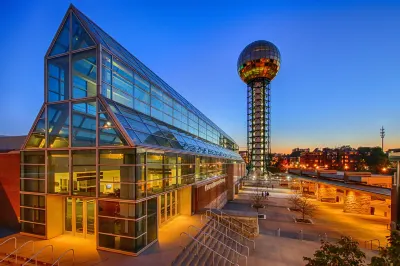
161, 253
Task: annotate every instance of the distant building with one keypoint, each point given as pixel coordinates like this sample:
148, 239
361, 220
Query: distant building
11, 143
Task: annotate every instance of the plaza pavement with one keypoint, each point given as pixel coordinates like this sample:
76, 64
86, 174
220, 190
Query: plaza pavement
286, 250
329, 219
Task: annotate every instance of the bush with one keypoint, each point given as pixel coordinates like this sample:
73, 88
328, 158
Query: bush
344, 252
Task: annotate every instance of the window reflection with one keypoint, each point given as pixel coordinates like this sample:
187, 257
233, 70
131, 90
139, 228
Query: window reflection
57, 79
84, 74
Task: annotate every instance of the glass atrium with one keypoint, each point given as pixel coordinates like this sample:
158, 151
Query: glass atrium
113, 144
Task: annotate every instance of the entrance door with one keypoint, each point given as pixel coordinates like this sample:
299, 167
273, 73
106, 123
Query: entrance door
79, 217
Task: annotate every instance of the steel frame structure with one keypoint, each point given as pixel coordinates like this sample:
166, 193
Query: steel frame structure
259, 124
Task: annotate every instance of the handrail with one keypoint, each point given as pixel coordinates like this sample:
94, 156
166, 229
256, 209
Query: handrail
40, 251
213, 251
243, 230
232, 218
208, 234
8, 239
379, 242
226, 227
225, 235
62, 255
16, 251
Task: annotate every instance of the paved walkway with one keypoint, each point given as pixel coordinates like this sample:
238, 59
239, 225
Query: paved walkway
161, 253
329, 219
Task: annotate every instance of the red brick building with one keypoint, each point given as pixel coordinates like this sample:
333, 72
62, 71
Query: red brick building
9, 181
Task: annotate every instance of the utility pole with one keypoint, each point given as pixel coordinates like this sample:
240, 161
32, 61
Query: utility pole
382, 136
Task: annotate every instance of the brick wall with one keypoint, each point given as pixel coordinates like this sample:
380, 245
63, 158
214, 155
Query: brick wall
9, 189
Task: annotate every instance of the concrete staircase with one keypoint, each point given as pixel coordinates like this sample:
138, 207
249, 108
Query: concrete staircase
214, 244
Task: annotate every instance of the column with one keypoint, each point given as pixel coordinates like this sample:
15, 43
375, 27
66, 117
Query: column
355, 202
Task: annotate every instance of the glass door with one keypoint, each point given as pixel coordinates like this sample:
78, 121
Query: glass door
80, 217
90, 217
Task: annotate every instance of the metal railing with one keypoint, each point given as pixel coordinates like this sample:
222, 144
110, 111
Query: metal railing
37, 253
242, 224
16, 251
230, 238
212, 251
8, 239
200, 232
370, 241
62, 255
227, 228
230, 223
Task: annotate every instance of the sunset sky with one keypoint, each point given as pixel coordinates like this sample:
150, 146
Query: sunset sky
338, 83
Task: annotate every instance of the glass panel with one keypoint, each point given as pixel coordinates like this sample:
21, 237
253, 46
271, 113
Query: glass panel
58, 125
84, 172
151, 228
109, 134
122, 243
142, 107
32, 185
33, 157
33, 215
118, 157
32, 201
84, 124
37, 138
80, 38
84, 74
58, 172
117, 190
121, 227
68, 214
90, 206
154, 187
136, 125
32, 171
31, 228
154, 172
122, 209
162, 211
146, 138
79, 216
61, 45
58, 79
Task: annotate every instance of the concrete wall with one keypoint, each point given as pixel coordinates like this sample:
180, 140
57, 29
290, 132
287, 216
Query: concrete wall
355, 202
9, 190
185, 200
234, 172
54, 216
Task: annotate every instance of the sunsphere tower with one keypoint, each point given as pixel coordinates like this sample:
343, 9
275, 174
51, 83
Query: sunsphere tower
257, 65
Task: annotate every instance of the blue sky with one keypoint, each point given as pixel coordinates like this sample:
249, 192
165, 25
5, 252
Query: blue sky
338, 82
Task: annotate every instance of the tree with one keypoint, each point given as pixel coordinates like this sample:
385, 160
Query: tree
258, 202
294, 200
306, 207
389, 255
344, 252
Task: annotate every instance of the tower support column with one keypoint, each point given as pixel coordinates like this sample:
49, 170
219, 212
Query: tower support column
258, 124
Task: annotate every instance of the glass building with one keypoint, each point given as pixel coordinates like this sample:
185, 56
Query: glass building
115, 152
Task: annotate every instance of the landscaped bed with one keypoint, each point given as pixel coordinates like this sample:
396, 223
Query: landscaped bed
303, 221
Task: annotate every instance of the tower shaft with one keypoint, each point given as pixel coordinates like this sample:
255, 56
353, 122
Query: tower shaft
258, 124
